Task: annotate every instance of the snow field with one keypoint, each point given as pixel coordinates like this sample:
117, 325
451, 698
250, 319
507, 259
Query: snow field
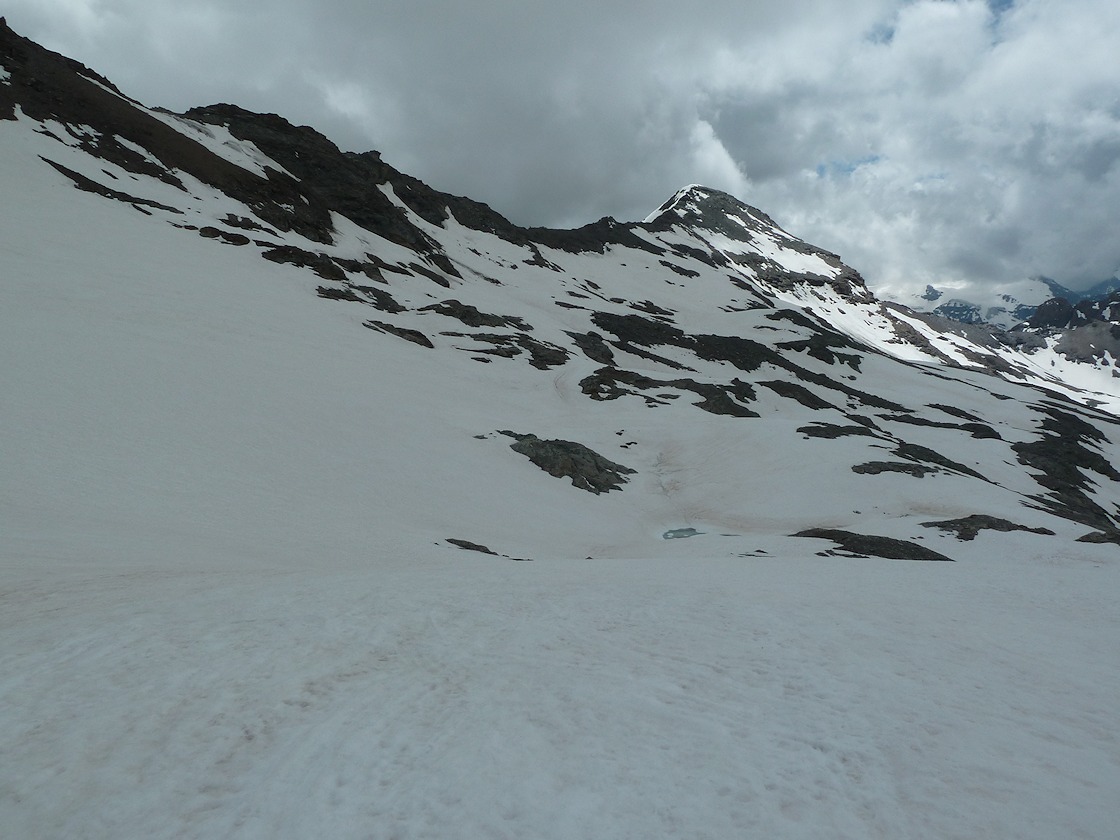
452, 695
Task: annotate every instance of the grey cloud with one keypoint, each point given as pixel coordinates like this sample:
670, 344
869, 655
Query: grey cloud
1096, 160
923, 140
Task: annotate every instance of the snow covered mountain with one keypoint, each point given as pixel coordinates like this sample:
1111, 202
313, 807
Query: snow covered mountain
231, 346
1078, 331
1006, 305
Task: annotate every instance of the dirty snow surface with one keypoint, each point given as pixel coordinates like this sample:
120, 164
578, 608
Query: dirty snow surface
459, 697
229, 607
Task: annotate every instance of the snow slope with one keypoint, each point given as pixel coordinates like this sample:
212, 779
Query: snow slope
453, 696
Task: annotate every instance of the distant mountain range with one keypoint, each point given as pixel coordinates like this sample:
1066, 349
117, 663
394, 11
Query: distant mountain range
1010, 305
254, 336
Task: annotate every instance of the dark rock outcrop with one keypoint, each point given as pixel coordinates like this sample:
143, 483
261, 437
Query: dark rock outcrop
542, 355
610, 383
879, 467
467, 545
1055, 312
1059, 313
587, 469
472, 317
89, 185
831, 431
1062, 455
871, 545
968, 527
415, 336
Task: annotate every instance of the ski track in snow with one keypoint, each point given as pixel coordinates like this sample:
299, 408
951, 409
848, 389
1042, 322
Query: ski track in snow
471, 697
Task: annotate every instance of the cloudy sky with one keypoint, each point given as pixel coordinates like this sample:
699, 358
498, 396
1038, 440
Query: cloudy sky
925, 141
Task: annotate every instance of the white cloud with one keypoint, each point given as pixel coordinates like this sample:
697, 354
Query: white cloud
712, 163
952, 148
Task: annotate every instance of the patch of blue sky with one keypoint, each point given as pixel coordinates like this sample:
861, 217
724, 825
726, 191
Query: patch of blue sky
997, 9
881, 33
932, 182
844, 168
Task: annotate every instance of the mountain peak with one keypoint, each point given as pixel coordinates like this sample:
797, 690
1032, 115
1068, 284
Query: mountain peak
746, 236
716, 211
692, 194
697, 198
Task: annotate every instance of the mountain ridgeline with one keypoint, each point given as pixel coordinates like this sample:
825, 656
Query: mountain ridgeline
701, 374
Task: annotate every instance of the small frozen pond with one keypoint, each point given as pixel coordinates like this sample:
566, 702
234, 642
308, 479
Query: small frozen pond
680, 533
